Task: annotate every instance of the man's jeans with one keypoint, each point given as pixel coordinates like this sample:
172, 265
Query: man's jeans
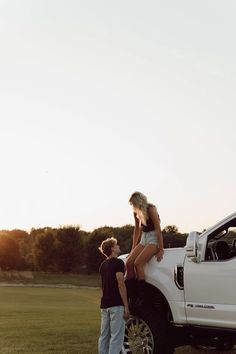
112, 330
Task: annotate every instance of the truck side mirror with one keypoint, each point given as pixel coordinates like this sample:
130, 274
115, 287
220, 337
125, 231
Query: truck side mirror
192, 244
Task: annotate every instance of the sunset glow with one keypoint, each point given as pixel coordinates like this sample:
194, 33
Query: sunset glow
101, 99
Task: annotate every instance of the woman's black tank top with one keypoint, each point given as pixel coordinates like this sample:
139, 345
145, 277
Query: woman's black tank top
150, 226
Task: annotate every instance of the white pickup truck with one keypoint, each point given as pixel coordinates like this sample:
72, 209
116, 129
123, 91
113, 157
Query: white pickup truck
190, 296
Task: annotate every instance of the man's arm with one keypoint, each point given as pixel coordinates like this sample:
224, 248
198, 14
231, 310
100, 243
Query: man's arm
123, 292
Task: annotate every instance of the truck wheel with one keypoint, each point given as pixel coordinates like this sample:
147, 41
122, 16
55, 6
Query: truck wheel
138, 337
146, 332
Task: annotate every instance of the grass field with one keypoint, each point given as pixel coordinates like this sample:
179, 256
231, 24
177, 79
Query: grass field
53, 320
42, 320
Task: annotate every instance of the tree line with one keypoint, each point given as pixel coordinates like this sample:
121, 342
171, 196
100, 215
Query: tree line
68, 248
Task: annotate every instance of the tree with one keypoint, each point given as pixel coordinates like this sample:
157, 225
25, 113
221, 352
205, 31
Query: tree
9, 253
171, 229
172, 237
69, 247
124, 236
44, 251
22, 238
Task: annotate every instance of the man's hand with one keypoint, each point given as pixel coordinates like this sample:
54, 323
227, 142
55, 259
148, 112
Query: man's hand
123, 293
159, 255
126, 313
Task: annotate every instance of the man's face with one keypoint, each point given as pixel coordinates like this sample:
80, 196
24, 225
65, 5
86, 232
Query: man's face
116, 249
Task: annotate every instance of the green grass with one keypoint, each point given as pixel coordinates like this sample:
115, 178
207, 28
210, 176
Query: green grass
42, 320
52, 320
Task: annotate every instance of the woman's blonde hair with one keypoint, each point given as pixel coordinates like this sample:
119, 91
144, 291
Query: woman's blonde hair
139, 201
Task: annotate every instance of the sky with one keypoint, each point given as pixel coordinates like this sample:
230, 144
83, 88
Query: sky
103, 98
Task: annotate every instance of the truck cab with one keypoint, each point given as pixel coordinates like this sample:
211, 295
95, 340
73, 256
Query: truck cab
191, 294
209, 276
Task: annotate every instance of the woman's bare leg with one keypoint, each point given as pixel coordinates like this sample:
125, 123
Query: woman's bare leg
130, 271
148, 252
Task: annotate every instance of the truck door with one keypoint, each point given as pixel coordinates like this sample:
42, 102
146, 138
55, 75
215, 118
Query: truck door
210, 282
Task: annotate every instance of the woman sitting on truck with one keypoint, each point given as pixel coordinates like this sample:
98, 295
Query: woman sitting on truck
147, 237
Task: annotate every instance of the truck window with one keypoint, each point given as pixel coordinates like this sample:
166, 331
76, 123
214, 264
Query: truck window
221, 244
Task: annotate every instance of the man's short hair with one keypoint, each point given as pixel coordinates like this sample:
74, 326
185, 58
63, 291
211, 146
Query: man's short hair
107, 245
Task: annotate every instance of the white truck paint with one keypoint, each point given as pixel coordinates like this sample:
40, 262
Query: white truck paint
207, 296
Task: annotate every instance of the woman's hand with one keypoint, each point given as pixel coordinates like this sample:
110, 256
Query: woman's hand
159, 255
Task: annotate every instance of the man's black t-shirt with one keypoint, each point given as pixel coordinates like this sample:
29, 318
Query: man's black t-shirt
110, 291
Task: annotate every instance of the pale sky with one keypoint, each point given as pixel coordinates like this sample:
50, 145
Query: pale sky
103, 98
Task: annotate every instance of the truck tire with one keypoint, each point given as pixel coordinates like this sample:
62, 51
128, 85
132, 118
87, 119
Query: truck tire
147, 332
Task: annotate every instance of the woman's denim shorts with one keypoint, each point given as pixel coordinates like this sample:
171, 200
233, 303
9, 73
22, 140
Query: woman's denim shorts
148, 238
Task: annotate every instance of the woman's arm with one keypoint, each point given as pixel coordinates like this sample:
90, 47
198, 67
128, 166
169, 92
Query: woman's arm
156, 221
137, 232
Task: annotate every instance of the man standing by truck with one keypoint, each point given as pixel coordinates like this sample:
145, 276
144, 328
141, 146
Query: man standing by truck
114, 303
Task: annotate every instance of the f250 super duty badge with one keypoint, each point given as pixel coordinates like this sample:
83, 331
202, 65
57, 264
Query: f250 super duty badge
201, 306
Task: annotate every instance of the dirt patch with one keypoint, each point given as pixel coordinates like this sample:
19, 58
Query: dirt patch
16, 275
61, 286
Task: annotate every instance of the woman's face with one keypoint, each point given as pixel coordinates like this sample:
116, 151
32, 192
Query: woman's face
135, 208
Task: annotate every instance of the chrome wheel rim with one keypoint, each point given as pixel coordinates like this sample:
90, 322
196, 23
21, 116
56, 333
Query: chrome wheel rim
138, 337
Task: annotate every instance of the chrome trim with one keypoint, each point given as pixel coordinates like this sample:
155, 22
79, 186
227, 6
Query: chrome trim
176, 275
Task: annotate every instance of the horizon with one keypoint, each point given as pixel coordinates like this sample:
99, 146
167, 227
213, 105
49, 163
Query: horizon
105, 225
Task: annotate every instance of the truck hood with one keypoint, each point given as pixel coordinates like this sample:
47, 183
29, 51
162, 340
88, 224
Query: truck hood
162, 274
171, 256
